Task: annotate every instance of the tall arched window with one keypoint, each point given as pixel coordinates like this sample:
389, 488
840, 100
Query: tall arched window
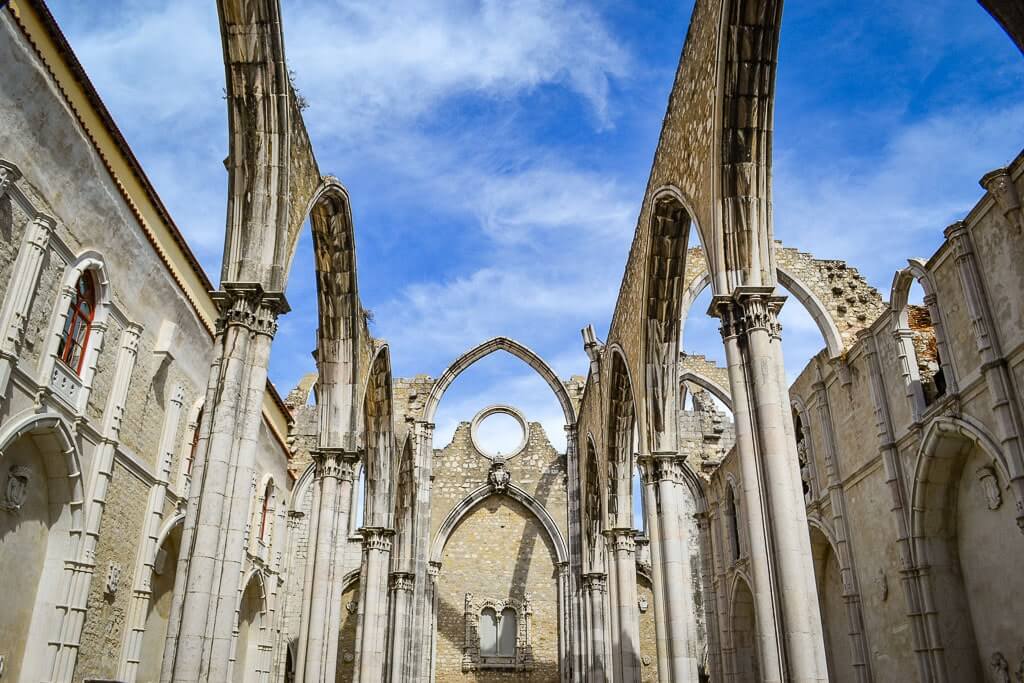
267, 513
488, 632
74, 337
195, 444
507, 633
732, 522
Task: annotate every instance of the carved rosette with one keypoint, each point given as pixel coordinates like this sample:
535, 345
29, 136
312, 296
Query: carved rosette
401, 581
377, 538
334, 462
246, 304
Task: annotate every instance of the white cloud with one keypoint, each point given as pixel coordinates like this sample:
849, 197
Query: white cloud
364, 68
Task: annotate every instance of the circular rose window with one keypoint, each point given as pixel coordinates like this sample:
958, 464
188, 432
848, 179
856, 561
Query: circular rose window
499, 432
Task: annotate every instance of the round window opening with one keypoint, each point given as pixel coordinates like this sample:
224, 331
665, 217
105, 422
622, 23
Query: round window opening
499, 432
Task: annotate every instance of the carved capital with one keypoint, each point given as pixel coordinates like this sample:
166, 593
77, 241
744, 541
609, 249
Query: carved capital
621, 540
401, 581
595, 582
747, 310
246, 304
1000, 185
334, 462
9, 174
377, 538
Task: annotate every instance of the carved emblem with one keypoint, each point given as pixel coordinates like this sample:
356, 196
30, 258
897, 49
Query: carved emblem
499, 476
17, 488
351, 607
113, 577
642, 604
990, 486
646, 659
882, 581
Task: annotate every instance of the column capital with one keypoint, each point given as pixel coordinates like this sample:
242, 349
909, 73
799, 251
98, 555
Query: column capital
401, 581
621, 539
433, 569
335, 462
9, 174
248, 305
1000, 185
595, 582
377, 538
746, 309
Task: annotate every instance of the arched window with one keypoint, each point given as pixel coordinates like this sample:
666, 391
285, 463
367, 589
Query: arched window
732, 523
74, 338
507, 633
267, 513
488, 632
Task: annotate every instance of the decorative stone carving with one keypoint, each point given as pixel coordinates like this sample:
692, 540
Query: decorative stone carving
522, 659
248, 305
16, 489
642, 604
990, 486
401, 581
1000, 185
65, 383
499, 476
113, 578
351, 607
1000, 668
646, 659
882, 582
9, 174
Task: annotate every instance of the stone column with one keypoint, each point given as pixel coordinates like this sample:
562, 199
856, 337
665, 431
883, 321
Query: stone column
622, 549
77, 596
710, 601
131, 652
788, 618
837, 499
317, 654
401, 588
372, 645
653, 510
575, 646
420, 653
595, 587
21, 292
199, 637
680, 613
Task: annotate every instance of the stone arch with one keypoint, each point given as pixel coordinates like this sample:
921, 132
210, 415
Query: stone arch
920, 388
663, 295
828, 573
485, 349
471, 501
718, 391
947, 446
619, 442
701, 278
405, 508
49, 648
378, 442
745, 660
147, 650
250, 650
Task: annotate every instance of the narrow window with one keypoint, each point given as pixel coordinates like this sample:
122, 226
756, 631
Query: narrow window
267, 511
195, 444
488, 632
732, 522
75, 336
507, 633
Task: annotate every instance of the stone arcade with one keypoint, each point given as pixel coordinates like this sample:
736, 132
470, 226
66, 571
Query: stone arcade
166, 516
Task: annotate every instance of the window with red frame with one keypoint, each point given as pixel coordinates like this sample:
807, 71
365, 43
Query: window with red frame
75, 336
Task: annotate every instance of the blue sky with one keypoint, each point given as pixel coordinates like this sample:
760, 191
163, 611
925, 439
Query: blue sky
497, 153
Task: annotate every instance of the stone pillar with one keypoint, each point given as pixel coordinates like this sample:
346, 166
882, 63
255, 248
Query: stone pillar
1006, 403
77, 596
21, 292
653, 510
372, 645
791, 645
317, 654
680, 613
837, 499
595, 587
622, 548
423, 600
575, 599
710, 601
400, 586
131, 652
199, 637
